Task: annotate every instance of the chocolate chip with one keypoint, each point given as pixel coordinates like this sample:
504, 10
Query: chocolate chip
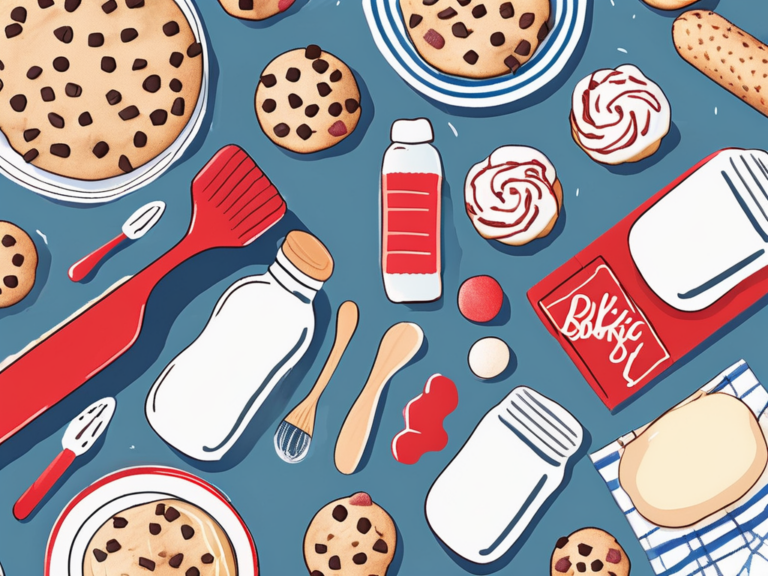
581, 567
470, 57
524, 48
139, 64
8, 241
336, 76
446, 14
269, 105
45, 3
19, 14
304, 132
34, 72
323, 89
108, 64
73, 90
339, 513
497, 39
543, 31
60, 150
313, 51
101, 149
434, 39
334, 563
13, 30
129, 35
154, 529
31, 155
2, 66
282, 130
585, 549
176, 85
321, 548
293, 75
479, 11
194, 49
170, 28
360, 559
176, 561
47, 94
100, 555
129, 113
1, 84
187, 531
381, 546
526, 20
146, 563
192, 572
71, 5
563, 565
124, 164
177, 109
460, 30
320, 66
160, 509
596, 566
19, 102
113, 546
119, 522
61, 64
114, 97
464, 2
55, 120
269, 80
207, 558
108, 7
139, 139
414, 20
613, 556
31, 134
64, 34
171, 513
363, 525
506, 10
429, 2
152, 83
134, 3
316, 573
561, 542
335, 109
17, 260
96, 39
295, 100
176, 59
245, 4
85, 119
311, 110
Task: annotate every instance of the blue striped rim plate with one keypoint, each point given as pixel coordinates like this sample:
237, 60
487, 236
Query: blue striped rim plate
387, 26
58, 187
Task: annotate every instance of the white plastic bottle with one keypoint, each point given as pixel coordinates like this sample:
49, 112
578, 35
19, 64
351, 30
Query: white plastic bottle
411, 184
258, 331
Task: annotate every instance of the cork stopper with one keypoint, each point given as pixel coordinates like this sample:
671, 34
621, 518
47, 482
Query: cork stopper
309, 255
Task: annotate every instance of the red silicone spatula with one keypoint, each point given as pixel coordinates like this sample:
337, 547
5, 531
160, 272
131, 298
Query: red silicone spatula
233, 203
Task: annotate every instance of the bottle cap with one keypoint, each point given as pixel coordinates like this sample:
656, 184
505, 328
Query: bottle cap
418, 131
308, 254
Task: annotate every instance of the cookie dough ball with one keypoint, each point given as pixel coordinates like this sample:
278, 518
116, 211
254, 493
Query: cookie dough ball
307, 100
488, 358
18, 264
480, 298
589, 551
255, 9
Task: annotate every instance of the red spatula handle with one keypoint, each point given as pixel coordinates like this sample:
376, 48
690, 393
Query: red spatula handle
35, 493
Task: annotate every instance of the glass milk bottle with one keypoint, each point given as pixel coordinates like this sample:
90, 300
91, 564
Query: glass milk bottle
258, 331
411, 183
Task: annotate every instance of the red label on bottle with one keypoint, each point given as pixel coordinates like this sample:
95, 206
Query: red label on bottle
410, 223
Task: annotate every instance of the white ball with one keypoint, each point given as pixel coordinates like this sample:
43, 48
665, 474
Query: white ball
488, 357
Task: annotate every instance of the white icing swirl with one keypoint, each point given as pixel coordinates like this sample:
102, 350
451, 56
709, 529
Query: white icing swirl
509, 196
618, 114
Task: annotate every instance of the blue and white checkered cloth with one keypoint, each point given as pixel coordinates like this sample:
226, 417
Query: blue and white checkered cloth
732, 542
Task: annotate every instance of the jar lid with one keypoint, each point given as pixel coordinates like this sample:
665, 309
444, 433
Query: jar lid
418, 131
308, 254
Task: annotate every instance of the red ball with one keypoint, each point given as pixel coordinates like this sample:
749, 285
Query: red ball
480, 298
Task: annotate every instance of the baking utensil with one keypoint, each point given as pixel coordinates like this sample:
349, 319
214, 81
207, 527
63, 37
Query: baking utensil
81, 434
398, 346
233, 204
138, 224
294, 434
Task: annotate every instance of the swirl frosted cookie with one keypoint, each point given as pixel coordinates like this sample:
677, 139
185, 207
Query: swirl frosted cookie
513, 196
91, 90
479, 39
255, 9
619, 115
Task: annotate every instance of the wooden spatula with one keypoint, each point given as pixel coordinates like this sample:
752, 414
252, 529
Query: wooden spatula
398, 346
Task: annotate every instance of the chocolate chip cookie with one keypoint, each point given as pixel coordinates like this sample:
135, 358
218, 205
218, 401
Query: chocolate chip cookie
18, 264
162, 538
476, 38
589, 551
351, 536
91, 90
307, 100
255, 9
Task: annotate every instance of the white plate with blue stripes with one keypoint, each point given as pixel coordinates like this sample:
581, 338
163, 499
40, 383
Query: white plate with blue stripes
386, 22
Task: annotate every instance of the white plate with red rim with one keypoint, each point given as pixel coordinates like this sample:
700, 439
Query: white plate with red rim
113, 493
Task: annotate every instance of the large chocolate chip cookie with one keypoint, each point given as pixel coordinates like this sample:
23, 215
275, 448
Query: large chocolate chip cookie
589, 551
476, 38
91, 90
351, 536
18, 264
